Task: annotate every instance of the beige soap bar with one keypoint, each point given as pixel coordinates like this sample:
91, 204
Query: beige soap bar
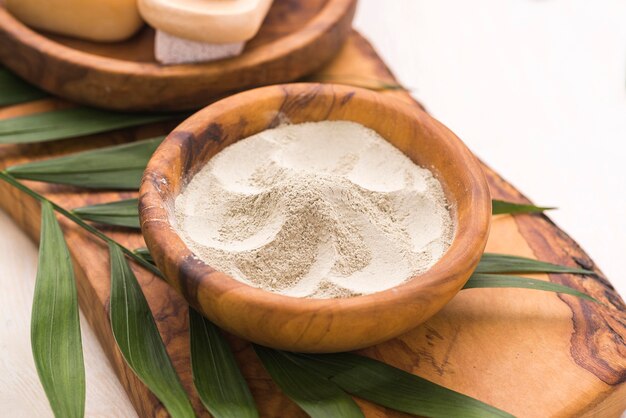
208, 21
95, 20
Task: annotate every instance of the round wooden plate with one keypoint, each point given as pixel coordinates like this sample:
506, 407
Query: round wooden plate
297, 37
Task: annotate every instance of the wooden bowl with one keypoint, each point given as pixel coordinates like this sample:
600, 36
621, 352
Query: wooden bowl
314, 325
296, 38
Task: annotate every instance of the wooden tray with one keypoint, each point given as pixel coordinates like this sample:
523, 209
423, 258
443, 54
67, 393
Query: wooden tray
297, 38
531, 353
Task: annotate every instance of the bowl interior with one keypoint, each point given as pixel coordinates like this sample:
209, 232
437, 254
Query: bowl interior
424, 140
418, 136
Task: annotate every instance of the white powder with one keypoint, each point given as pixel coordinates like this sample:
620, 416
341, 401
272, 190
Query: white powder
320, 210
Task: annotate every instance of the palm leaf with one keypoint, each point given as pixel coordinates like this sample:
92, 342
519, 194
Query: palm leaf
121, 213
356, 81
116, 167
502, 263
145, 254
481, 281
70, 123
216, 375
500, 207
316, 395
55, 323
14, 90
138, 338
394, 388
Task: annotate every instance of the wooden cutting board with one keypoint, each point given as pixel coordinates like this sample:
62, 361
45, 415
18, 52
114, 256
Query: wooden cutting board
531, 353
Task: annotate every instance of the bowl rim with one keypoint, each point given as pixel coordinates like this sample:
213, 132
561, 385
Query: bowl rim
463, 254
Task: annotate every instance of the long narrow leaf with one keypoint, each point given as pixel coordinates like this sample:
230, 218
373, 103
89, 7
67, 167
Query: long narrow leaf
394, 388
14, 90
481, 281
145, 254
216, 375
316, 395
55, 324
500, 207
350, 80
502, 263
116, 167
121, 213
70, 123
138, 338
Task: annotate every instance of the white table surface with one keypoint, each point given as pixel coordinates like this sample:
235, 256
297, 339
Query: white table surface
537, 89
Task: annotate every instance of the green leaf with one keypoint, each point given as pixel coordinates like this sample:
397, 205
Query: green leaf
138, 338
374, 84
116, 167
145, 254
216, 375
502, 263
55, 324
121, 213
481, 281
316, 395
70, 123
394, 388
14, 90
500, 207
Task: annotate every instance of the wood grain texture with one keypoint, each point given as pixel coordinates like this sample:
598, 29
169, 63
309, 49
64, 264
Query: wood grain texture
297, 38
314, 325
534, 354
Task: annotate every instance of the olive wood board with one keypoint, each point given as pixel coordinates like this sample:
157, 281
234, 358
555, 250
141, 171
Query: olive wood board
531, 353
296, 38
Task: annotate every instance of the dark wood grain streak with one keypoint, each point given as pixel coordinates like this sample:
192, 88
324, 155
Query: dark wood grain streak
516, 349
599, 338
602, 336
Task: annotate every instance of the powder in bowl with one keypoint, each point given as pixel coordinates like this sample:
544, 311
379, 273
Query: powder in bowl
320, 210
